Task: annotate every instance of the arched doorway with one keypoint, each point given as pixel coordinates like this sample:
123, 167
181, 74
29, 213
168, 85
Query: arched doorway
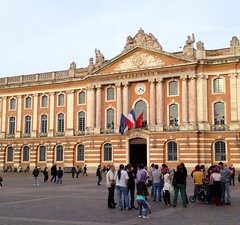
138, 151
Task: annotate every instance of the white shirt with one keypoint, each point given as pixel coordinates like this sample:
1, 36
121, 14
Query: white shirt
122, 182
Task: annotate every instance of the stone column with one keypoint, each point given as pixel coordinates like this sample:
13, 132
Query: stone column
202, 103
51, 114
119, 104
184, 111
35, 115
160, 104
70, 116
238, 97
19, 117
98, 109
125, 98
233, 99
90, 109
192, 107
4, 119
152, 108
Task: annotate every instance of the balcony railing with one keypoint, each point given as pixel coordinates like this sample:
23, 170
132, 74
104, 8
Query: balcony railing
171, 128
42, 135
219, 127
59, 134
80, 132
10, 135
26, 135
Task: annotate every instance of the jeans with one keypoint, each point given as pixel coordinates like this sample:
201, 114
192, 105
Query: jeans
225, 189
143, 207
156, 189
35, 181
122, 191
181, 188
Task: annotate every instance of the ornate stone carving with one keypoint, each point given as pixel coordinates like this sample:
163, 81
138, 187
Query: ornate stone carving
139, 60
99, 58
73, 66
234, 46
90, 65
143, 40
188, 49
200, 46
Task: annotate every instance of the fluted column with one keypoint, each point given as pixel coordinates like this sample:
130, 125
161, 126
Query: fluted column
51, 114
70, 116
233, 99
90, 108
192, 108
98, 109
159, 103
125, 99
184, 111
119, 104
35, 115
4, 119
19, 116
152, 108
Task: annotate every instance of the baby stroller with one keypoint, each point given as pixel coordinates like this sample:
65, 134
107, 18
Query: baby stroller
201, 197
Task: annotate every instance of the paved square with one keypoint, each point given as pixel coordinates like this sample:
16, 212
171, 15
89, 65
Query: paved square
81, 201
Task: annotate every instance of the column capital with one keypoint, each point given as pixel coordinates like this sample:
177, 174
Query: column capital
35, 95
70, 92
98, 86
118, 84
125, 83
184, 76
50, 93
19, 97
159, 80
151, 80
233, 75
90, 87
192, 76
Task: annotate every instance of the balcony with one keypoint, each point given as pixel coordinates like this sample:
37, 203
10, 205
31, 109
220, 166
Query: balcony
80, 132
171, 128
106, 130
26, 135
59, 134
219, 127
10, 135
42, 135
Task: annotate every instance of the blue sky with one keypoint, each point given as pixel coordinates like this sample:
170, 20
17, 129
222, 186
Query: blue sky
47, 35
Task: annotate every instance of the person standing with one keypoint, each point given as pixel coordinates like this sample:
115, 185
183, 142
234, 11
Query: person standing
1, 180
45, 175
99, 175
216, 187
73, 171
167, 188
110, 183
232, 177
35, 177
198, 179
85, 170
156, 176
54, 173
131, 184
143, 206
78, 171
59, 175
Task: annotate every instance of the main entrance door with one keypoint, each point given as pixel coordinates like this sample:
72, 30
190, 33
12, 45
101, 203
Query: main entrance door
138, 151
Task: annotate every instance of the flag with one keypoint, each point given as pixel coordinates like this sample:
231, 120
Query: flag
139, 121
123, 124
131, 119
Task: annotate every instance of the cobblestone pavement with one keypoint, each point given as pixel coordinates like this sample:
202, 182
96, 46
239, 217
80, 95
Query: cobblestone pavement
81, 201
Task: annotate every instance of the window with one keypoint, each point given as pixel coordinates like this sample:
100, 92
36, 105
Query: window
25, 153
172, 151
12, 103
173, 88
110, 119
80, 153
43, 124
59, 153
28, 103
218, 85
44, 102
81, 97
173, 115
12, 125
220, 151
107, 152
219, 113
27, 124
10, 154
42, 153
61, 100
81, 121
110, 93
60, 128
141, 107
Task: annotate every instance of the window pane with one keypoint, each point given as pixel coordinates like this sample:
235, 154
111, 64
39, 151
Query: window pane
219, 113
218, 85
13, 103
173, 88
110, 94
10, 154
61, 123
80, 153
110, 118
60, 99
25, 155
28, 103
42, 153
82, 97
44, 124
220, 151
59, 153
107, 152
172, 151
27, 125
173, 115
44, 101
12, 125
81, 121
140, 107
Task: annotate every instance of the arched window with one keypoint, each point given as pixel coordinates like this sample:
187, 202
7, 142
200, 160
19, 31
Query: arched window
59, 153
220, 151
28, 102
219, 113
12, 103
44, 101
42, 153
80, 153
110, 119
11, 125
60, 99
81, 122
10, 151
173, 115
218, 86
60, 123
27, 124
43, 124
173, 88
81, 97
107, 152
172, 151
141, 107
110, 93
25, 153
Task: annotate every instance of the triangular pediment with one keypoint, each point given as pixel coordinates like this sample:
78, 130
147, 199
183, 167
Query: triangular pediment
140, 59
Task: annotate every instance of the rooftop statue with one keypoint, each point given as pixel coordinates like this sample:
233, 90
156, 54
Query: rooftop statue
73, 65
234, 46
99, 58
188, 49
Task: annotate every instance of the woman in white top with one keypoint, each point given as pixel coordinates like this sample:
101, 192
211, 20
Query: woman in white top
167, 188
110, 183
216, 187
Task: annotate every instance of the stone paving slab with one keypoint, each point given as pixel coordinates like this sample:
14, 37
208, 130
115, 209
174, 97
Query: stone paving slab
81, 201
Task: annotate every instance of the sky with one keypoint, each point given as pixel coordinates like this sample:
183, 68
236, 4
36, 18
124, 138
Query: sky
47, 35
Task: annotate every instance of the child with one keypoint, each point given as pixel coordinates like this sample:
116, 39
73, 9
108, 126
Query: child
1, 182
167, 188
143, 205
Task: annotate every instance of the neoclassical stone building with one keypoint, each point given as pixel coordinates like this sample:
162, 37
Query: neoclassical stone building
190, 102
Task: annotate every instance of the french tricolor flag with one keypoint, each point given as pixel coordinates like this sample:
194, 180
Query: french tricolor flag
130, 119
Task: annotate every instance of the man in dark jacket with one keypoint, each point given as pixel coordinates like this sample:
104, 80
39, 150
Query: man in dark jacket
59, 175
54, 173
35, 176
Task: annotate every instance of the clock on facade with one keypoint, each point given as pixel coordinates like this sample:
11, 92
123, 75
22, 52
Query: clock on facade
140, 88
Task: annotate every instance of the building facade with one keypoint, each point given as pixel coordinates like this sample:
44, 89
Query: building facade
190, 102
